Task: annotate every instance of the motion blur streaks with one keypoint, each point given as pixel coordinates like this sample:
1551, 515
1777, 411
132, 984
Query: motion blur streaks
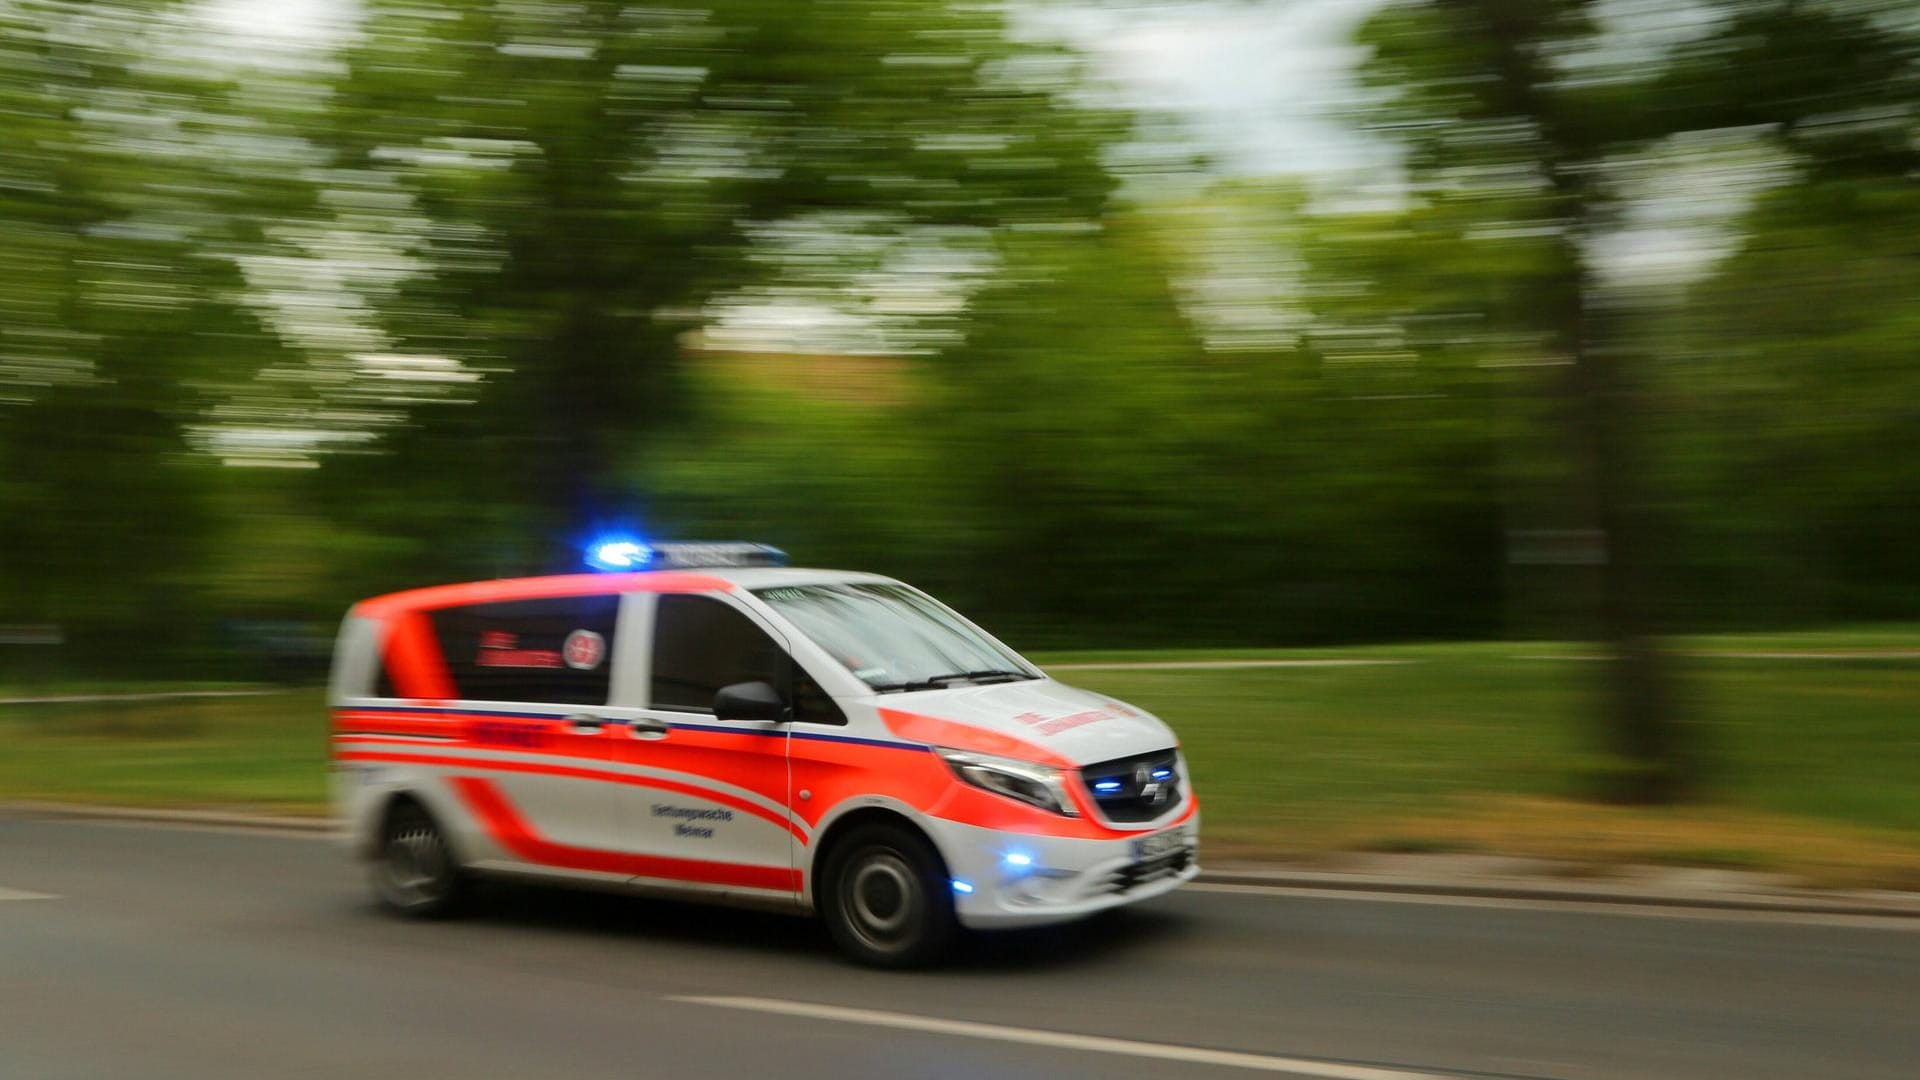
1165, 323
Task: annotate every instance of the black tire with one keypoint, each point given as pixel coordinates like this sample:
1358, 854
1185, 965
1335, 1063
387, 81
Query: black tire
414, 870
886, 898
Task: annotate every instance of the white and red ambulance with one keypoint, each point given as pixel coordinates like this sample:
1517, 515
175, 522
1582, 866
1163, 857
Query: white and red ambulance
705, 721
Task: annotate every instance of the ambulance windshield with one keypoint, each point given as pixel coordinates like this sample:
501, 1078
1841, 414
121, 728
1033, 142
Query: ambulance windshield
894, 638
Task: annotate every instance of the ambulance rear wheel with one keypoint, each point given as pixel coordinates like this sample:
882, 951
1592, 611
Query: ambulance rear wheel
414, 871
888, 903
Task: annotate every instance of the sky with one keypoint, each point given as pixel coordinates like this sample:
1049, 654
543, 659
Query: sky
1258, 82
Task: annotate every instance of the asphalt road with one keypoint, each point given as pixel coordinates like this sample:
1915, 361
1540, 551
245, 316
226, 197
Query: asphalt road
150, 952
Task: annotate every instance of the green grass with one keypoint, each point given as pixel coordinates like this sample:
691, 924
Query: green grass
1815, 763
1280, 747
267, 752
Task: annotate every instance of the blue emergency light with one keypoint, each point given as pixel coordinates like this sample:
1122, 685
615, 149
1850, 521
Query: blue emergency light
625, 554
615, 553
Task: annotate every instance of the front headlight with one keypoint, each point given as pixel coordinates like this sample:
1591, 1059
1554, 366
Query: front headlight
1035, 785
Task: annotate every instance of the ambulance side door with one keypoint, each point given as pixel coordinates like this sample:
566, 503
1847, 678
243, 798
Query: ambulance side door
705, 802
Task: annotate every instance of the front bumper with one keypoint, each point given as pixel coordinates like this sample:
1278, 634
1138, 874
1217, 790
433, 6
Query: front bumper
1018, 879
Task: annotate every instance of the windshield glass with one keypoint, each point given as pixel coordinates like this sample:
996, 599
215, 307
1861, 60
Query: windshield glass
893, 637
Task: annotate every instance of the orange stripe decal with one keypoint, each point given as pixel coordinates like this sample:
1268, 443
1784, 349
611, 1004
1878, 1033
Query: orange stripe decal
413, 660
487, 592
578, 773
936, 732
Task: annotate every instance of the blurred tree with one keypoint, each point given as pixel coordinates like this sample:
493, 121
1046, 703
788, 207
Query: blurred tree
1797, 373
593, 173
1800, 446
1523, 113
118, 203
1074, 410
456, 269
1489, 120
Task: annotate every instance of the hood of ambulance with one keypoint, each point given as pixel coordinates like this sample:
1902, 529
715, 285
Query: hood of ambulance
1035, 719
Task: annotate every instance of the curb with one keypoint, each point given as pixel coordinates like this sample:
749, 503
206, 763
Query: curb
1875, 905
1889, 905
222, 819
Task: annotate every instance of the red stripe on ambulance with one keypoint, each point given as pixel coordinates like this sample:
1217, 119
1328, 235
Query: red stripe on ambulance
577, 773
513, 832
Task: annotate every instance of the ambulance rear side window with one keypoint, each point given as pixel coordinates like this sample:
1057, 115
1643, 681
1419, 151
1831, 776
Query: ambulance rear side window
555, 651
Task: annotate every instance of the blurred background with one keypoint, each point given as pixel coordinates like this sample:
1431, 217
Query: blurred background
1201, 325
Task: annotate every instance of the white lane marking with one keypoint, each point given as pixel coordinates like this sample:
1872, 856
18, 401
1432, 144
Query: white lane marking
1650, 909
22, 894
1060, 1040
1190, 665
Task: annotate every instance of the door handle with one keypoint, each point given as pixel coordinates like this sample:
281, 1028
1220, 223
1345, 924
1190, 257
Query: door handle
584, 724
648, 729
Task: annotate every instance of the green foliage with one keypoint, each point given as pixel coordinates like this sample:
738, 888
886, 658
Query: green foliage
596, 172
466, 273
1796, 409
120, 221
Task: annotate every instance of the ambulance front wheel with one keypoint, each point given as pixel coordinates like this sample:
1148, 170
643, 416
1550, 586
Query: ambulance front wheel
888, 902
414, 871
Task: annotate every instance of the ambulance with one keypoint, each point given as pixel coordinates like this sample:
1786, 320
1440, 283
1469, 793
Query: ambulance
701, 720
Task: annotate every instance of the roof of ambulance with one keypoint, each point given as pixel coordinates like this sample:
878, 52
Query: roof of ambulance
699, 579
761, 577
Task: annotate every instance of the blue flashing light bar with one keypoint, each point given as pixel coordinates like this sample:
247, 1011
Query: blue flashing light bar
619, 553
624, 554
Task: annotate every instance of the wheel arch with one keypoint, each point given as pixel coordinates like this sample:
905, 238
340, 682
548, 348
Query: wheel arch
845, 823
390, 802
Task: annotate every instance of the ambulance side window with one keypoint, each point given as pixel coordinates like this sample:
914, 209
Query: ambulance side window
811, 704
701, 644
551, 651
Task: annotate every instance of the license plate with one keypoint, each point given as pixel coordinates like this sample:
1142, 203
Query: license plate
1159, 844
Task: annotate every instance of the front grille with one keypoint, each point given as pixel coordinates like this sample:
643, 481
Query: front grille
1134, 789
1133, 875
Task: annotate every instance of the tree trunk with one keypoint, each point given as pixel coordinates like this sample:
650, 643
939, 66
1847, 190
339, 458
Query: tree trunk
1641, 729
1651, 762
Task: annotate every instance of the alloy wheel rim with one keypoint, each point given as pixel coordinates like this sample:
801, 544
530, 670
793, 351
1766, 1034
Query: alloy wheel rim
416, 862
881, 896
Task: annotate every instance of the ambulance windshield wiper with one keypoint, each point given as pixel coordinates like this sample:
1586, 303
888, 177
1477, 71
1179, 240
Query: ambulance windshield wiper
938, 681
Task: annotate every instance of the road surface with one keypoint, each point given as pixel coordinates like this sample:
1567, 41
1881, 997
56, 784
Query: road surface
153, 952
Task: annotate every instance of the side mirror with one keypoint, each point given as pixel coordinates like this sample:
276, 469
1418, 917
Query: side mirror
749, 701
